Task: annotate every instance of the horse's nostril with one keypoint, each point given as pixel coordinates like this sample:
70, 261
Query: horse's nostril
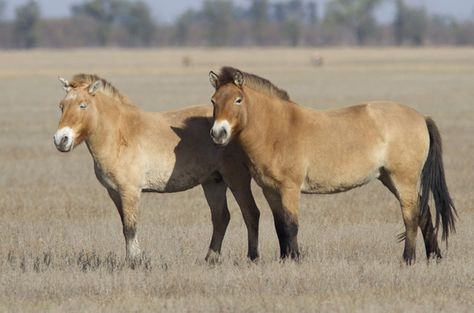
64, 140
221, 132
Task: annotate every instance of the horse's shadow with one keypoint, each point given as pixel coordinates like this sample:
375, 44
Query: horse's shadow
196, 155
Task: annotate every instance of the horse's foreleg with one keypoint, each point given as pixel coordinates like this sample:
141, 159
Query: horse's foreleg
126, 202
215, 193
284, 205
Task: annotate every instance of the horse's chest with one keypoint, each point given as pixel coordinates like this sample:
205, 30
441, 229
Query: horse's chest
106, 178
263, 176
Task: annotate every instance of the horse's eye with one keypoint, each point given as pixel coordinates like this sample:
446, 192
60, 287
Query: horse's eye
213, 102
61, 107
238, 101
83, 106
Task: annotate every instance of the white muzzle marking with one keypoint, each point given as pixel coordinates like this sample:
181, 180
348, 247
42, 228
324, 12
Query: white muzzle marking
64, 139
220, 132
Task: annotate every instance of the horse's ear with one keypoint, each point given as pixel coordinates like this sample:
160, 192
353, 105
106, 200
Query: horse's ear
95, 86
239, 78
214, 79
64, 83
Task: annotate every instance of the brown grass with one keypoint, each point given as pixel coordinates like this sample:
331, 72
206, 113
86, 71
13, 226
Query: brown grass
61, 247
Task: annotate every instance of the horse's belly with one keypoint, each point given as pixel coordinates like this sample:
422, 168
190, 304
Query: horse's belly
172, 184
156, 181
177, 178
337, 183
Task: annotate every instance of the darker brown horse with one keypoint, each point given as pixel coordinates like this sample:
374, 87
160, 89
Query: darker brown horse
293, 149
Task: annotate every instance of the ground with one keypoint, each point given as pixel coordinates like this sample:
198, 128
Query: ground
62, 249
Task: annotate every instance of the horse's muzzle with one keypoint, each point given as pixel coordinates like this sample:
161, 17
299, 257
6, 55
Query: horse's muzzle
64, 139
220, 132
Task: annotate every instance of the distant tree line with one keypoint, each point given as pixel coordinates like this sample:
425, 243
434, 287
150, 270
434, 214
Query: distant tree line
222, 23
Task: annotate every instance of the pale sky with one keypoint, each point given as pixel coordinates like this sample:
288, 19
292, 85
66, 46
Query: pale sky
166, 10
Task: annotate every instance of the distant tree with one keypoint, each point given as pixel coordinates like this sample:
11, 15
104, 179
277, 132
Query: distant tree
3, 6
280, 14
445, 29
138, 22
259, 16
356, 15
105, 12
219, 16
440, 29
184, 23
290, 17
26, 24
464, 33
313, 32
410, 23
293, 25
312, 8
292, 29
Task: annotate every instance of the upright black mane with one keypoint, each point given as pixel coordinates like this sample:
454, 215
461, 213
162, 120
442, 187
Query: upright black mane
253, 81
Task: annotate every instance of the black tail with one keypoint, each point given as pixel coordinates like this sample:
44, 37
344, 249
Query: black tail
432, 178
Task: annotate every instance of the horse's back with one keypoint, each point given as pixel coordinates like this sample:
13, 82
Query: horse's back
352, 144
376, 121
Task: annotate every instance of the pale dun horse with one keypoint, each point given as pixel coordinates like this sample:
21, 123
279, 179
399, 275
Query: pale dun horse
293, 149
136, 151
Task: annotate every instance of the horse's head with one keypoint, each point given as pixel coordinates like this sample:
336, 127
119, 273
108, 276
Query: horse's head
78, 111
229, 114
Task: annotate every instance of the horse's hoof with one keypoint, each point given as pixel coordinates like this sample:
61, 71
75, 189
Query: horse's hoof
212, 257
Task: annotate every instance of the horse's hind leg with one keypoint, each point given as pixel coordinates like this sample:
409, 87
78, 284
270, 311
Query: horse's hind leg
215, 192
424, 222
429, 236
411, 215
406, 191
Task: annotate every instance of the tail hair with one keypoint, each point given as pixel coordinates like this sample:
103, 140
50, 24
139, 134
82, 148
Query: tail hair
433, 179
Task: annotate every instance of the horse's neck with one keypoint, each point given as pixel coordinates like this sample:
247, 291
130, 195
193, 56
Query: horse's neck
104, 140
266, 117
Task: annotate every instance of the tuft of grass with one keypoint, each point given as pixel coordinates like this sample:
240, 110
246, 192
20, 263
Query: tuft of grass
84, 261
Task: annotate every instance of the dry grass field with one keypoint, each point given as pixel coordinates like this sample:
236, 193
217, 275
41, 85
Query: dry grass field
61, 244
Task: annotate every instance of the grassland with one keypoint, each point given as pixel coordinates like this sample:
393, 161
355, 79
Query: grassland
61, 246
